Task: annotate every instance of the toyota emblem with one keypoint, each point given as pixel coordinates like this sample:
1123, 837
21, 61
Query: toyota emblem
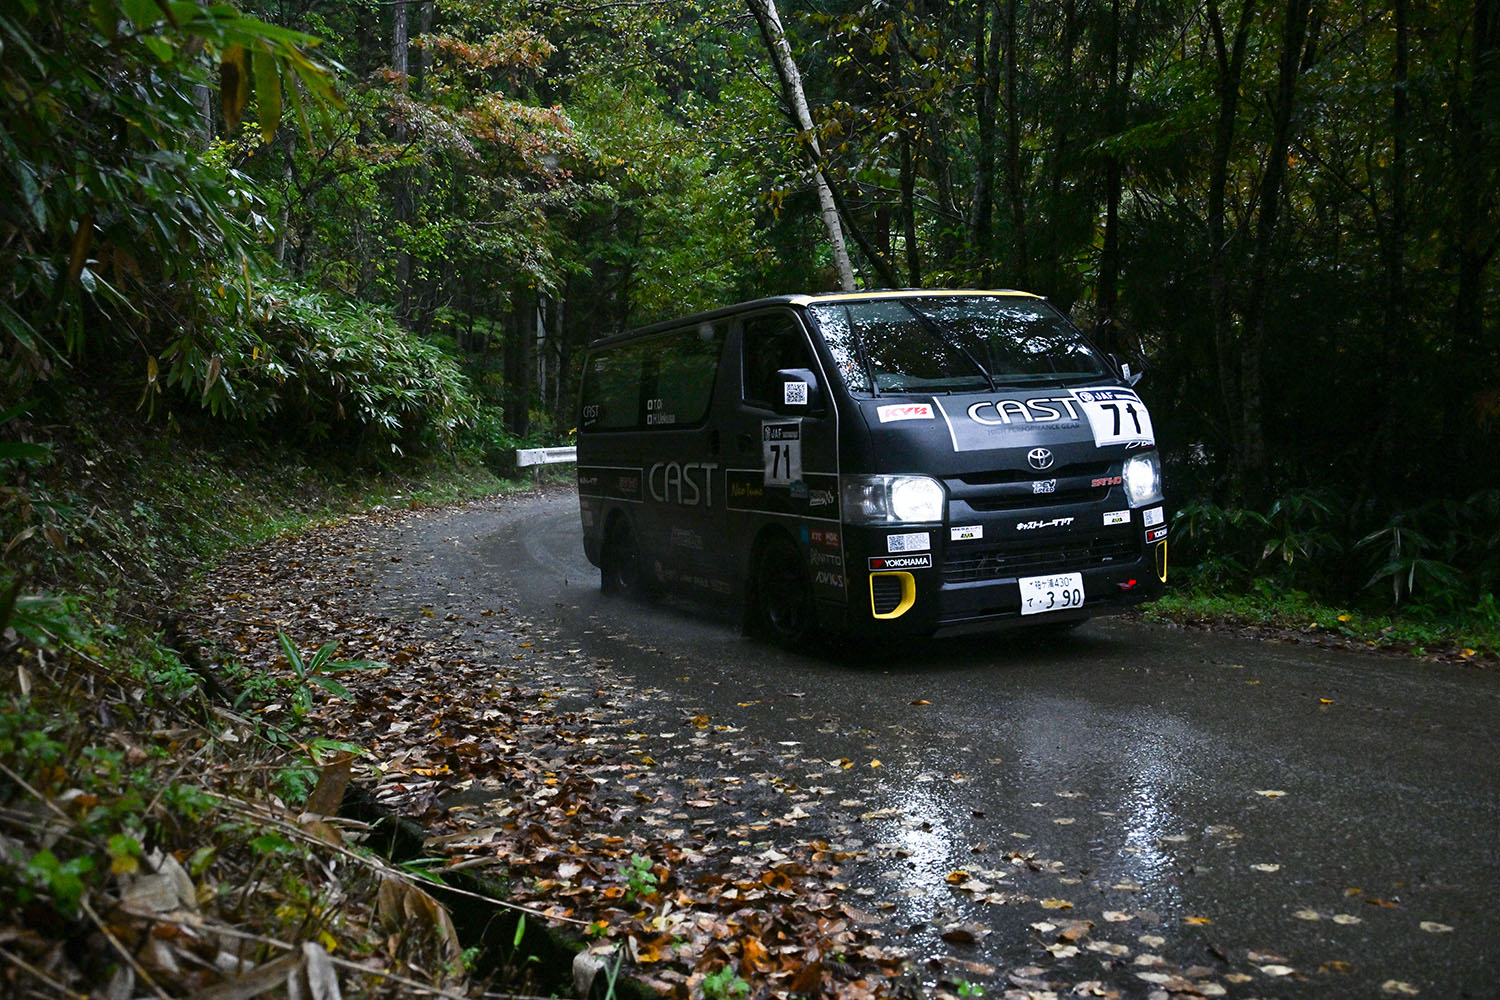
1040, 458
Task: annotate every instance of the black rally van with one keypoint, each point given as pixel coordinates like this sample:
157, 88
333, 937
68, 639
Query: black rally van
882, 462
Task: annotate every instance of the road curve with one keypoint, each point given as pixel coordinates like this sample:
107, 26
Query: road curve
1302, 822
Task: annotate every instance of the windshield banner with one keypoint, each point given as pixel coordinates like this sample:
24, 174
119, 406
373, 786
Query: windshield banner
1114, 416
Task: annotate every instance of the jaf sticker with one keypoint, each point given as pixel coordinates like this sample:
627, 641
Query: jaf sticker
914, 541
967, 533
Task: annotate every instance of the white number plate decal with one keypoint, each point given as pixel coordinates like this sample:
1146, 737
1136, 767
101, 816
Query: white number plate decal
1051, 593
1116, 416
781, 448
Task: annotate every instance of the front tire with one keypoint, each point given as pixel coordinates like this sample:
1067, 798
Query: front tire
782, 608
620, 568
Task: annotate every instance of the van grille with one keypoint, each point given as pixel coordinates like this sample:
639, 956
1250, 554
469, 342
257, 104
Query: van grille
994, 563
885, 592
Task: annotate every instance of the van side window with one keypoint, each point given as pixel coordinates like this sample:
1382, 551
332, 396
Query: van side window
772, 343
664, 381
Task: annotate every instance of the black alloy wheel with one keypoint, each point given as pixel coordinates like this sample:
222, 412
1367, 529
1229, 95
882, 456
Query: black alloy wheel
783, 603
621, 572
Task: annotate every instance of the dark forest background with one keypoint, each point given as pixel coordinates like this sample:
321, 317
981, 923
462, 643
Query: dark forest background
389, 227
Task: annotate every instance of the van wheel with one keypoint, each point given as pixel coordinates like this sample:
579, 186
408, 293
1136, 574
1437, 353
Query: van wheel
620, 572
782, 607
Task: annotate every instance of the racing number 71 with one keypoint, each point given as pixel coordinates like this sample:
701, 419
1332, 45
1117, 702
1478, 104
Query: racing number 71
1130, 409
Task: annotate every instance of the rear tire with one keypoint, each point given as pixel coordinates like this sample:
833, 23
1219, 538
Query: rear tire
782, 608
620, 568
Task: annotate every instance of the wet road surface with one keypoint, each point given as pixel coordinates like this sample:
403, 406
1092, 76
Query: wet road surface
1300, 822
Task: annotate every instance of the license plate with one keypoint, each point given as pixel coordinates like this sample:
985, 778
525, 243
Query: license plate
1051, 593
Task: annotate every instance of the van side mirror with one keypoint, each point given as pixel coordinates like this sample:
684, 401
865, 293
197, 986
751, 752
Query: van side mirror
1131, 369
799, 393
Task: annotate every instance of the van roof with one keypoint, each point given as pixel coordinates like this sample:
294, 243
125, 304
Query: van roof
806, 300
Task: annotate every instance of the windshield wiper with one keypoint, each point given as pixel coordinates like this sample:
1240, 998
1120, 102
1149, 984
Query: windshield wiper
942, 334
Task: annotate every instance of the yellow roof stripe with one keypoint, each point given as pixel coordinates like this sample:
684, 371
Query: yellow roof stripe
906, 293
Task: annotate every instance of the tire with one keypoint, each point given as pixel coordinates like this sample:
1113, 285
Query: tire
782, 608
620, 571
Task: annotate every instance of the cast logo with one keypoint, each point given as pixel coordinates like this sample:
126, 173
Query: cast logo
1004, 412
689, 484
904, 411
923, 561
1056, 522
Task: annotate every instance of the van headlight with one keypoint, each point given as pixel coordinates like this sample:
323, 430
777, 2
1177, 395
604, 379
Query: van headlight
888, 499
1143, 479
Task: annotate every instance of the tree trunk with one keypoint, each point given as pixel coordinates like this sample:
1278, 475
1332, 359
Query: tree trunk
519, 362
1230, 61
909, 212
1020, 264
791, 84
1253, 469
986, 95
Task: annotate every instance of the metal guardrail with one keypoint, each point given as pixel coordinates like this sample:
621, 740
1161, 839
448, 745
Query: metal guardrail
545, 456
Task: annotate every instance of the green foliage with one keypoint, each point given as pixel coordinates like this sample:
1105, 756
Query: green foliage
315, 673
725, 984
640, 880
1436, 562
119, 215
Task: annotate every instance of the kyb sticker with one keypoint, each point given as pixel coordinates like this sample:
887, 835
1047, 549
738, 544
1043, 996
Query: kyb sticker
904, 411
914, 541
923, 561
967, 533
781, 448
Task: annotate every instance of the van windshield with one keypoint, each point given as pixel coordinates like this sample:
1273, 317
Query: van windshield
954, 344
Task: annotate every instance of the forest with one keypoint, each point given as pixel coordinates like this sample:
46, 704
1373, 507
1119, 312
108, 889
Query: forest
389, 227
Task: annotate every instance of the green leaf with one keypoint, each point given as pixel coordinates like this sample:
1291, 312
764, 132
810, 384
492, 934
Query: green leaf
267, 94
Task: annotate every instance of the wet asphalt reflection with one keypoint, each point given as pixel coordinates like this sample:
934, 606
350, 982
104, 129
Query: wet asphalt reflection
1234, 804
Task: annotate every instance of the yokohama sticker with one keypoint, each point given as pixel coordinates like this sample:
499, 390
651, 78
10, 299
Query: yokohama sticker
904, 411
923, 561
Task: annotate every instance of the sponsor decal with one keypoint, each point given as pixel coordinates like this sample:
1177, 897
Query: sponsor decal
1116, 416
1117, 517
690, 484
828, 578
1056, 522
904, 411
1108, 481
923, 561
1007, 412
1153, 517
781, 451
912, 541
604, 481
656, 413
967, 533
590, 414
815, 498
794, 393
824, 537
819, 559
1156, 534
821, 498
687, 538
1044, 486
